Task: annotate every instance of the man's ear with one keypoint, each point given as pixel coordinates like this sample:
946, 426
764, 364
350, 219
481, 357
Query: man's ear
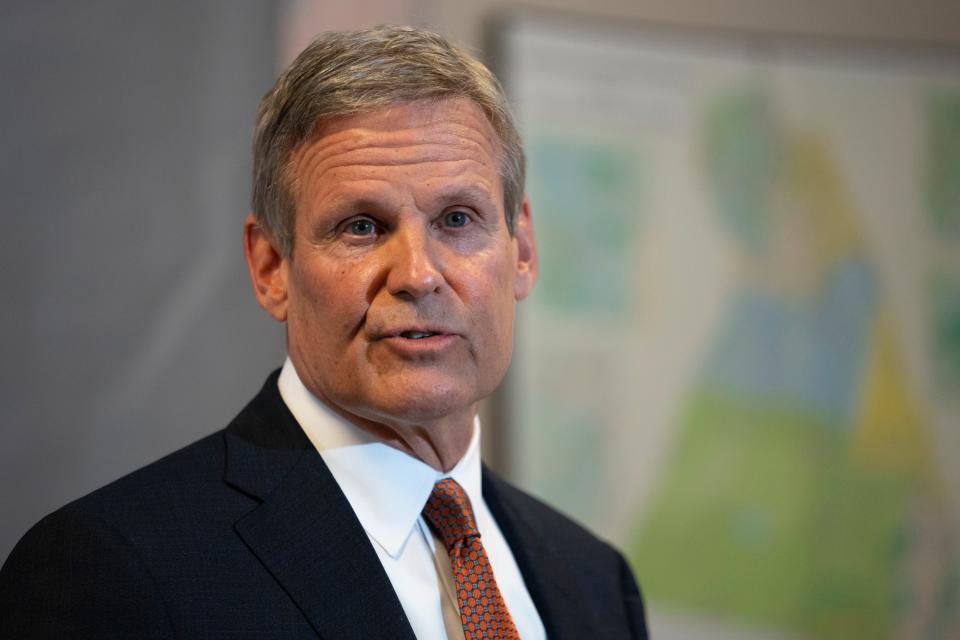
267, 268
526, 273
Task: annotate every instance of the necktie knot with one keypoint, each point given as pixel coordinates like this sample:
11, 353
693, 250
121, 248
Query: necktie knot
448, 510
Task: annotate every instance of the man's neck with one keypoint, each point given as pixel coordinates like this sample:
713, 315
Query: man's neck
439, 443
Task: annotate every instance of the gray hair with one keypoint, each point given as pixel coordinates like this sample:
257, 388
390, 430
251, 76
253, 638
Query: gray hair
358, 71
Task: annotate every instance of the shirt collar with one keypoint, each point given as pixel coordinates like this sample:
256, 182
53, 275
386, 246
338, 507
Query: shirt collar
386, 487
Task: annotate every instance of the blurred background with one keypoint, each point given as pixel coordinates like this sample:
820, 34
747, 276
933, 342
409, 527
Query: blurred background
742, 361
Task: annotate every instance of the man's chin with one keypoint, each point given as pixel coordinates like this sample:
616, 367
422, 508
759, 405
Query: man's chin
424, 403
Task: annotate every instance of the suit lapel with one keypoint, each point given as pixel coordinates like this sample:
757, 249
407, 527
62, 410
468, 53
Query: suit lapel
544, 570
304, 531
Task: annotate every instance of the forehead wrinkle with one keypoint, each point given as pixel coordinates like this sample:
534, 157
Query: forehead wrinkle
420, 152
407, 158
443, 132
365, 142
334, 174
450, 140
466, 185
432, 118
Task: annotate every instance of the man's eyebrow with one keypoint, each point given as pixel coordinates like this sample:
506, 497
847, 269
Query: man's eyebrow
357, 203
472, 193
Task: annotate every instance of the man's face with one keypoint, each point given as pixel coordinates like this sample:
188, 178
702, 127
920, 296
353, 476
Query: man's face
400, 293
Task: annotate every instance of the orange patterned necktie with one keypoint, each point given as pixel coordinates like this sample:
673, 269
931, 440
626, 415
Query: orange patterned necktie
482, 611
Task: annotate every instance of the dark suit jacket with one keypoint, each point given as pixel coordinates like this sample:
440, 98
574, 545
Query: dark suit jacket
245, 534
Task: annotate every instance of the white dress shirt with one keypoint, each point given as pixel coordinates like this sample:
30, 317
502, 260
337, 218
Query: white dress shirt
387, 489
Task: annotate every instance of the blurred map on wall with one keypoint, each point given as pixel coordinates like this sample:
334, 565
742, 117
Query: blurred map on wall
742, 362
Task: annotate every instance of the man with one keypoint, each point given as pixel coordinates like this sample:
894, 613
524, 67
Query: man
347, 500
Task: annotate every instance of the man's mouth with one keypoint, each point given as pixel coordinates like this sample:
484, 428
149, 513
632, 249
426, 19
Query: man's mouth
420, 342
416, 335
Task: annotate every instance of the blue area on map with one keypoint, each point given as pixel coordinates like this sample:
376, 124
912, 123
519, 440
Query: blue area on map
807, 353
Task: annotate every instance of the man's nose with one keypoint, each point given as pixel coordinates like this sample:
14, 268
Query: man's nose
414, 270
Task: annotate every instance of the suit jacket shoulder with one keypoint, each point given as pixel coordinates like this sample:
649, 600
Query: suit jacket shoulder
157, 553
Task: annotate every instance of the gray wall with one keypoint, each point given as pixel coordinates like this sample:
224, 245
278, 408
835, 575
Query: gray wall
128, 325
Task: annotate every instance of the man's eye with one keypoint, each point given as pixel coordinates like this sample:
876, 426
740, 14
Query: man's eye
361, 227
456, 219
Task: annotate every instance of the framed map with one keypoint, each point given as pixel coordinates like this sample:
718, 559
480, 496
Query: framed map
742, 361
